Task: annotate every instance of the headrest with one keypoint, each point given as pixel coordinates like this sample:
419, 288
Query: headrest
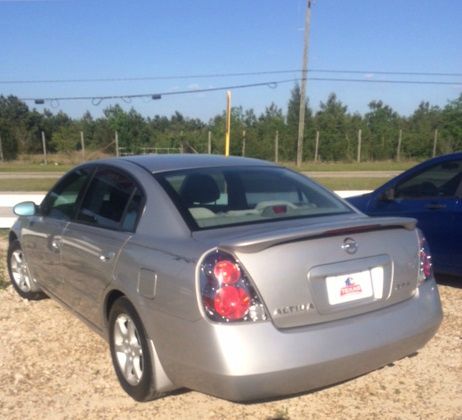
200, 189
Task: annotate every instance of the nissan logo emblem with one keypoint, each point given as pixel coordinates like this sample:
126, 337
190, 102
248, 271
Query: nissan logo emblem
350, 246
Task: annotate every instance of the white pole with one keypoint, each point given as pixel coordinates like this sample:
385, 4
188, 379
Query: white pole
117, 143
82, 142
44, 146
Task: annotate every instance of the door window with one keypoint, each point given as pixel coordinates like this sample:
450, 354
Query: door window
61, 202
111, 201
442, 180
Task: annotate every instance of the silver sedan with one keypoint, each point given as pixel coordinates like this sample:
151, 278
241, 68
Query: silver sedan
234, 277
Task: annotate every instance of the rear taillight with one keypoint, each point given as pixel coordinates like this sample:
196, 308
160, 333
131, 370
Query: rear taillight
226, 292
425, 259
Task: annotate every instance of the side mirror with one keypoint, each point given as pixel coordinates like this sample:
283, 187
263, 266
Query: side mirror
388, 195
26, 208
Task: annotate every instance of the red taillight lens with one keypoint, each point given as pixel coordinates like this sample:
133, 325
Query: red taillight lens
232, 302
226, 291
425, 259
281, 209
226, 272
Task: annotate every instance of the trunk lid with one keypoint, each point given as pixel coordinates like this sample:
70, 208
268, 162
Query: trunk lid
330, 270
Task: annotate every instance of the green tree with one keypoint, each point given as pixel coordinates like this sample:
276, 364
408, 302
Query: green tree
332, 123
289, 143
419, 131
66, 139
270, 122
9, 144
382, 135
131, 128
451, 122
13, 115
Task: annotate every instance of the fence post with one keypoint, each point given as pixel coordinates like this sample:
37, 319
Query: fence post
82, 143
209, 144
398, 151
358, 158
1, 149
276, 147
117, 143
243, 142
435, 140
316, 147
44, 146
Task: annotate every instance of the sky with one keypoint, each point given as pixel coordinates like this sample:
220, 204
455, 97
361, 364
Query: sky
120, 39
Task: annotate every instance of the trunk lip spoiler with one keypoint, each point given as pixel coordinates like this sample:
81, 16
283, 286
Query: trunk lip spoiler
266, 240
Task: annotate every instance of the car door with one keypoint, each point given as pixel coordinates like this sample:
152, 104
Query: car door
105, 221
433, 197
42, 237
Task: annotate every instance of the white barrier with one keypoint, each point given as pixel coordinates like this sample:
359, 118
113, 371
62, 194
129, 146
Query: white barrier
9, 200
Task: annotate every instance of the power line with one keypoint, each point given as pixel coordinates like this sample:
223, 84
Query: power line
387, 81
158, 95
388, 73
222, 75
97, 99
147, 78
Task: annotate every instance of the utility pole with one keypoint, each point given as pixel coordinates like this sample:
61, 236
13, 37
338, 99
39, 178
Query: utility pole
276, 147
358, 158
301, 121
243, 142
82, 143
316, 146
44, 146
435, 140
209, 143
398, 151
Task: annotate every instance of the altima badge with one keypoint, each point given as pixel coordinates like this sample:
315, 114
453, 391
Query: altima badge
350, 246
292, 309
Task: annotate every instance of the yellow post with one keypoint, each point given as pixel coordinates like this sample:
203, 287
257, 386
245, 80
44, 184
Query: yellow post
228, 122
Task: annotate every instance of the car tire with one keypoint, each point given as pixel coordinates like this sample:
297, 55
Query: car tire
19, 273
130, 352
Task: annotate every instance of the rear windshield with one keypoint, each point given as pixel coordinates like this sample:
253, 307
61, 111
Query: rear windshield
217, 197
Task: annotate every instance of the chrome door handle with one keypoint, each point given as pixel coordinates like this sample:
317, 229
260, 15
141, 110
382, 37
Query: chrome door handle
435, 206
107, 256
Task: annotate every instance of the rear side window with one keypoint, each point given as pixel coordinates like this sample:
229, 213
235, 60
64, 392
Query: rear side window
112, 201
442, 180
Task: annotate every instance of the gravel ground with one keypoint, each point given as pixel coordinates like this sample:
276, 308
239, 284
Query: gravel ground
53, 366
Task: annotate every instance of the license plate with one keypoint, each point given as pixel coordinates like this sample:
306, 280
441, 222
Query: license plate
349, 287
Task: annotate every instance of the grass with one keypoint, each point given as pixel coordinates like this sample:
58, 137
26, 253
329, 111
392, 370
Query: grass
280, 414
33, 184
348, 183
352, 166
63, 162
32, 167
4, 282
339, 184
57, 162
44, 184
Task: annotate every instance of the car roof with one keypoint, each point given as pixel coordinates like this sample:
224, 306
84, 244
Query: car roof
162, 163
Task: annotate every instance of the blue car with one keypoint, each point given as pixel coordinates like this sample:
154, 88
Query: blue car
431, 192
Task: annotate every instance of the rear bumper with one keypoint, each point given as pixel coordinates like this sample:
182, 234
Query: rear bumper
258, 361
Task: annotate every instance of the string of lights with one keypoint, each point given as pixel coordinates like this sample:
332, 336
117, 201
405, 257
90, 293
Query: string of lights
97, 99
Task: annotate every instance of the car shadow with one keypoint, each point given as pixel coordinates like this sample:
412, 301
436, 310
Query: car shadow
448, 280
